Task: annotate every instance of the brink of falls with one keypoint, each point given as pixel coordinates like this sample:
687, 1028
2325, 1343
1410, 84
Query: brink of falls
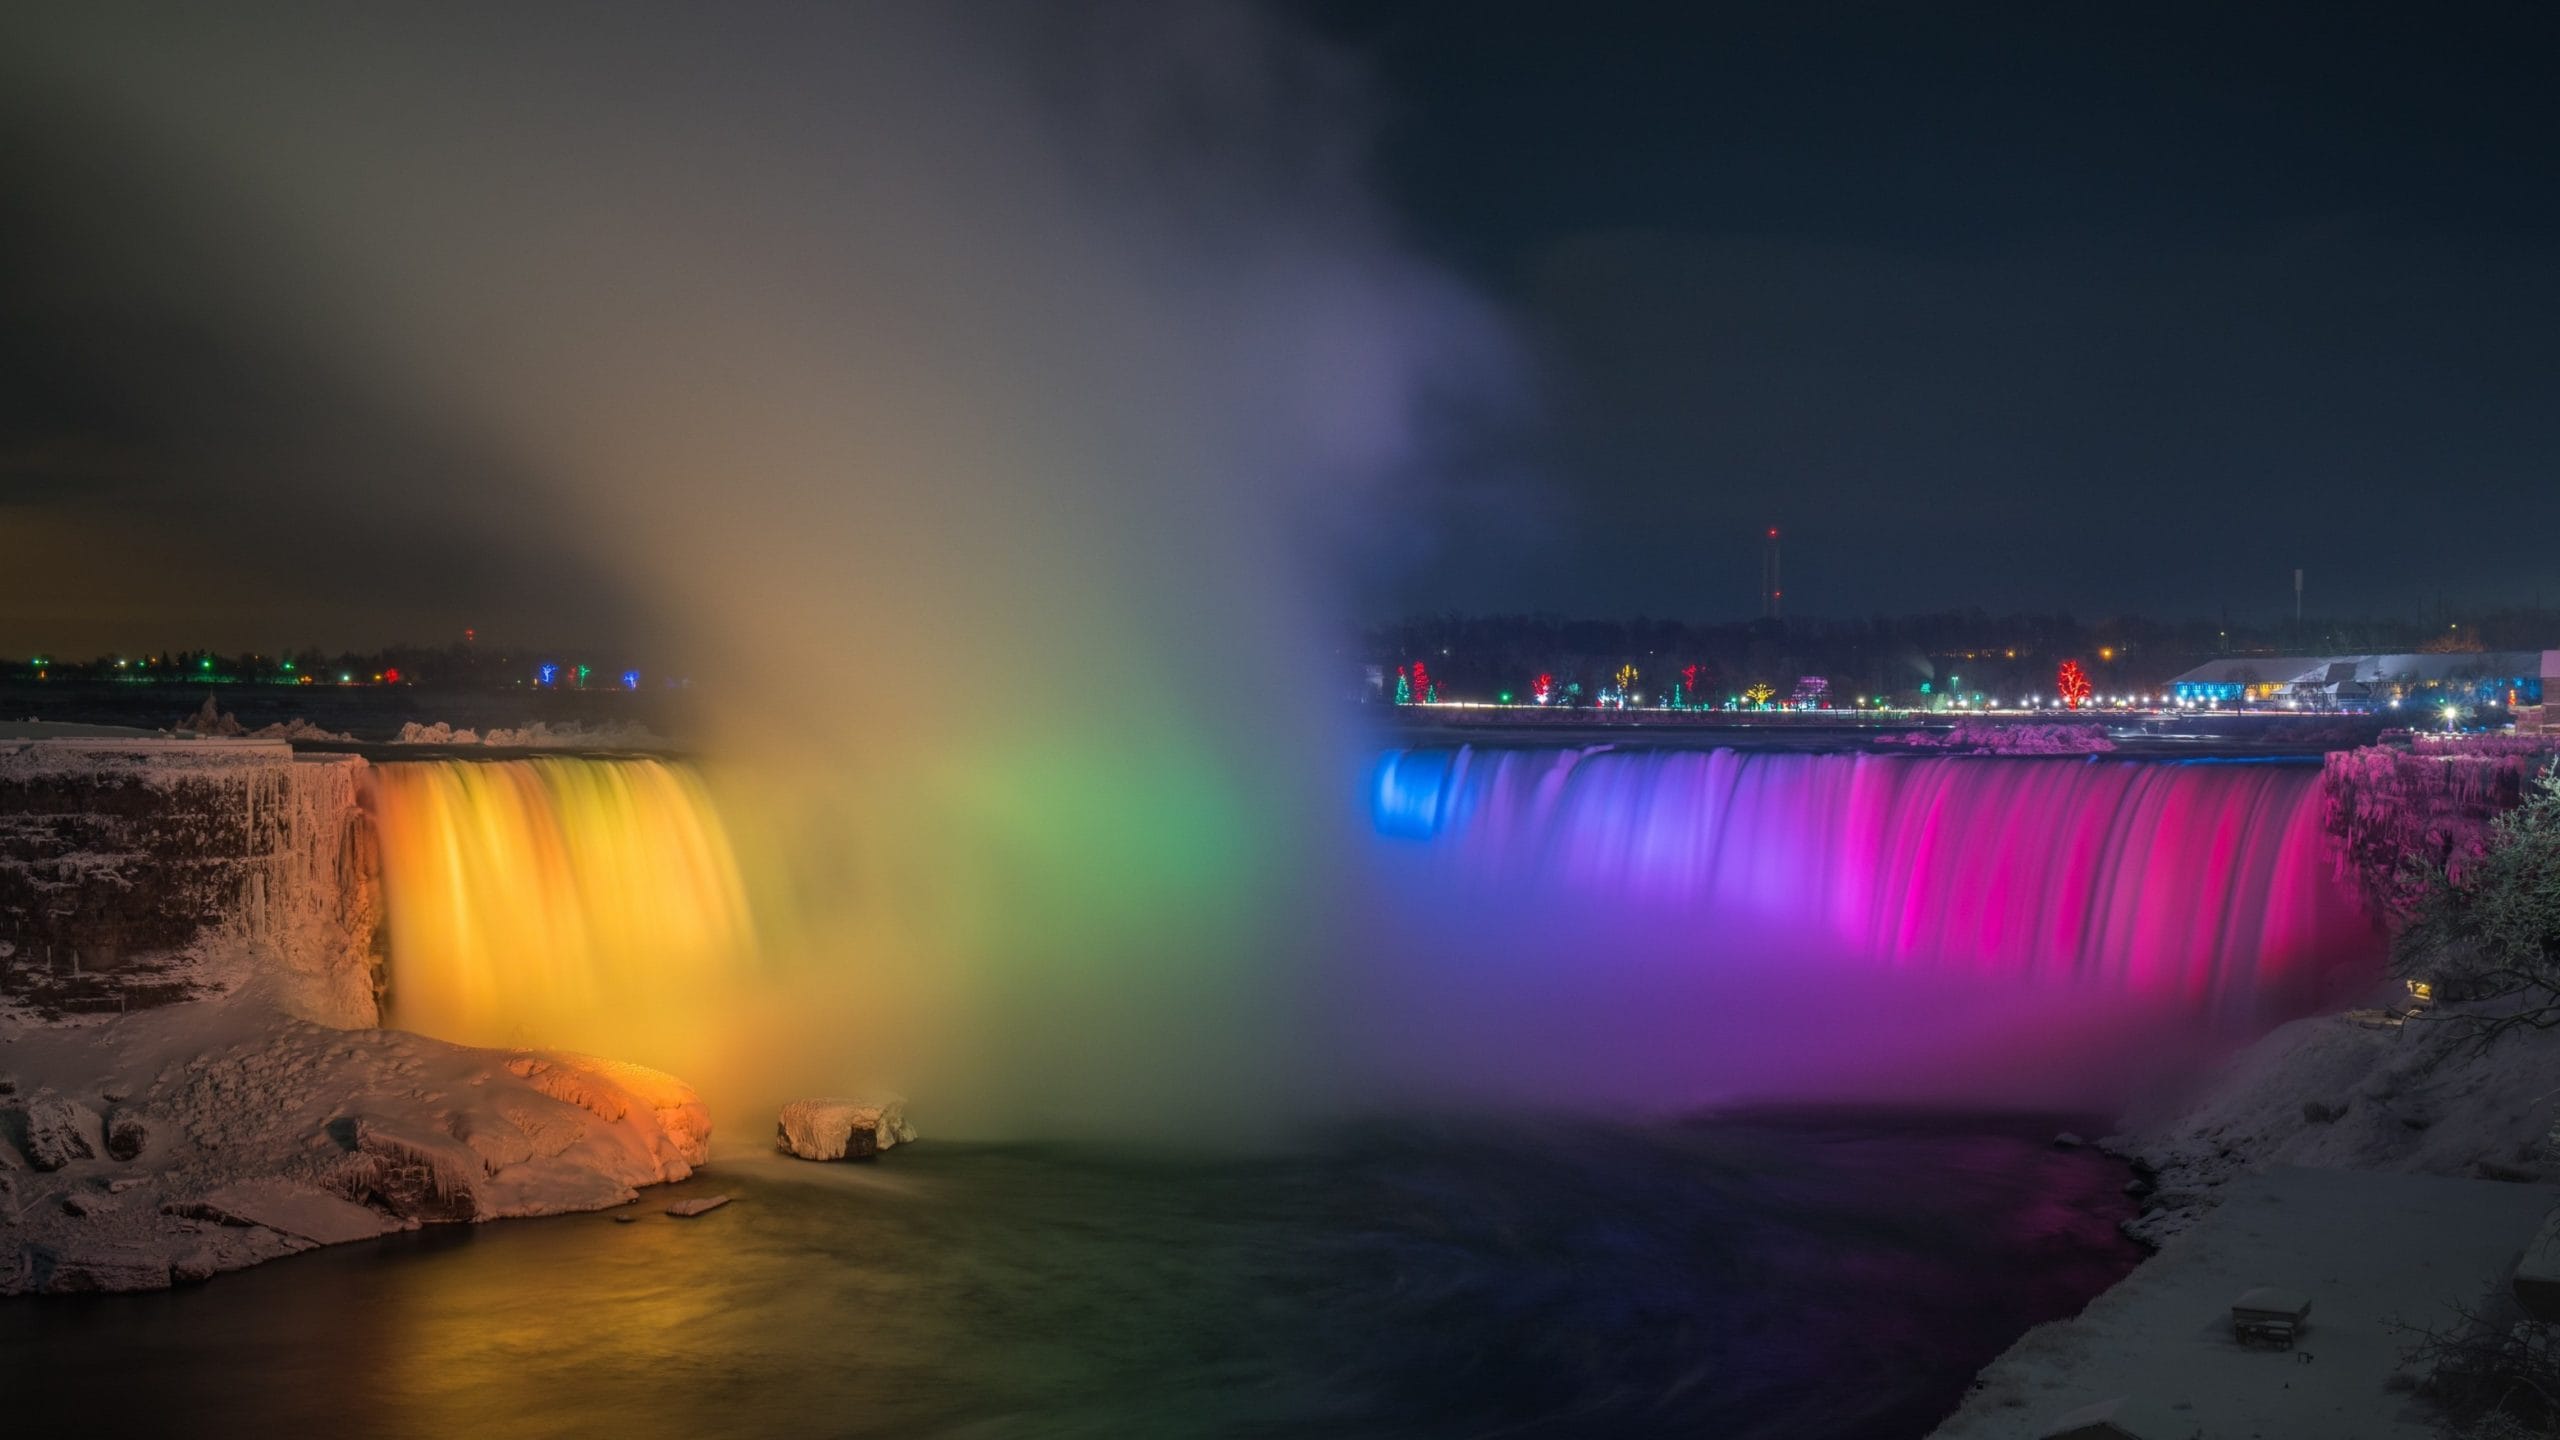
585, 902
1678, 926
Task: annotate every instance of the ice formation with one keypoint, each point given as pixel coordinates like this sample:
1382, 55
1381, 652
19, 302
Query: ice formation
188, 981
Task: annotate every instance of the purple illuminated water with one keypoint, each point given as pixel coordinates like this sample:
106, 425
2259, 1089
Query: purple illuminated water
1687, 925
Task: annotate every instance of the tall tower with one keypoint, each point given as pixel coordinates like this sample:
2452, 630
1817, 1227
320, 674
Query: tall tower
1770, 593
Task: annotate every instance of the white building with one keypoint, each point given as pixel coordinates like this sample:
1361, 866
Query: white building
2512, 678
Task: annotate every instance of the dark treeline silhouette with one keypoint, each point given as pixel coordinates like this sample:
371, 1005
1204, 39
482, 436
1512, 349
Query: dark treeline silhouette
1888, 657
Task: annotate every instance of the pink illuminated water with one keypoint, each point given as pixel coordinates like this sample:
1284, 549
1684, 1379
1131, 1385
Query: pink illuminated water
2007, 919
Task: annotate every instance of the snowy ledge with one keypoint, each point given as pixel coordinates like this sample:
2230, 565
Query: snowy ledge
183, 1142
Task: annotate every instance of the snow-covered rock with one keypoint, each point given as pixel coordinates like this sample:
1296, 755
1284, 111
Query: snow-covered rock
126, 1133
270, 1135
194, 1265
540, 735
669, 1122
59, 1131
298, 728
211, 723
108, 1266
141, 872
288, 1208
843, 1129
438, 733
415, 1175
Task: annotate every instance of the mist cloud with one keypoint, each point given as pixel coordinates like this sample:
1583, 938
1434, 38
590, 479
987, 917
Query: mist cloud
982, 401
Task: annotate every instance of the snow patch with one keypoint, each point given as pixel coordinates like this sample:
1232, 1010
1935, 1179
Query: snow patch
267, 1135
540, 735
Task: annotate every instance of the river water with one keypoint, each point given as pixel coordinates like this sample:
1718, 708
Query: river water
1805, 1274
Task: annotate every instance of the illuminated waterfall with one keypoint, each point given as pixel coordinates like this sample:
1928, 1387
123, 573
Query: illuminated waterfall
590, 904
2204, 886
1558, 925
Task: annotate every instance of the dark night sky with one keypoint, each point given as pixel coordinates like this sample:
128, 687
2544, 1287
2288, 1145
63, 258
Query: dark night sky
2048, 307
2085, 307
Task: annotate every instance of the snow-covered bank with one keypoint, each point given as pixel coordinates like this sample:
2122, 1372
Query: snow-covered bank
2348, 1093
198, 1138
2373, 1252
2391, 1172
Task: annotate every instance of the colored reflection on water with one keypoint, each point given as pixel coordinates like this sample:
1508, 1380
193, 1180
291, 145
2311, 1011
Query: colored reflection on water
1406, 1279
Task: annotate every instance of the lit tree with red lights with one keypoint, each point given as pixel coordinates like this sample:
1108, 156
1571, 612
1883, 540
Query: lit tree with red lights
2072, 684
1545, 688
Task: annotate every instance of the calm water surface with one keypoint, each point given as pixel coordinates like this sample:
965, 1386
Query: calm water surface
1824, 1275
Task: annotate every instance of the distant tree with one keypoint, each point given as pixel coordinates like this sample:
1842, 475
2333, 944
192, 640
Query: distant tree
2072, 684
2454, 641
2492, 930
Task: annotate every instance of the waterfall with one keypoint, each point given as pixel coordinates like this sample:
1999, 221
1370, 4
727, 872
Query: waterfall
577, 902
2212, 883
1596, 925
2204, 896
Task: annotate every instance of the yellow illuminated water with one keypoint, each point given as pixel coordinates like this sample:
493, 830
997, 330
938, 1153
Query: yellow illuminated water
574, 903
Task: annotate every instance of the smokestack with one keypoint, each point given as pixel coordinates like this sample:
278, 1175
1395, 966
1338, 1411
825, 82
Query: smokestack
2297, 594
1770, 593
